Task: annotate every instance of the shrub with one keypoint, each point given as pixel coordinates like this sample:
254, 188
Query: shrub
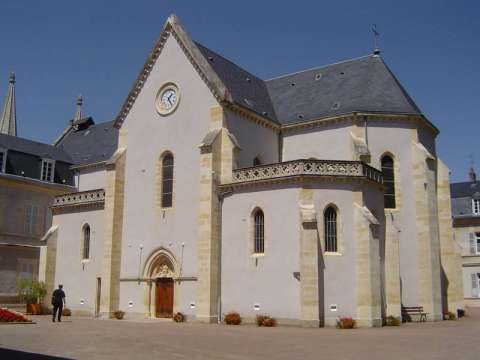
448, 315
269, 322
178, 317
345, 323
119, 314
265, 320
233, 318
31, 291
66, 312
259, 319
393, 321
460, 313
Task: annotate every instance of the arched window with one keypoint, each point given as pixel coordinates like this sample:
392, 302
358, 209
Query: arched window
257, 161
330, 225
258, 232
167, 180
86, 242
389, 182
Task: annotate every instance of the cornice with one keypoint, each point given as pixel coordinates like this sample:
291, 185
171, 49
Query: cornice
93, 199
98, 164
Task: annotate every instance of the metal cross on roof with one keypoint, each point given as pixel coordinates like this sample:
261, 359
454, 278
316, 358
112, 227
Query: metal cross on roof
376, 35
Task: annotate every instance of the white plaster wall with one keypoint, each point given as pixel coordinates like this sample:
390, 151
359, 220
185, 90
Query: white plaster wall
90, 179
254, 140
337, 270
267, 280
327, 142
148, 136
79, 279
395, 137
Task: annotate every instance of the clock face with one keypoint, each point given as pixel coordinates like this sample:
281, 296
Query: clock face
167, 99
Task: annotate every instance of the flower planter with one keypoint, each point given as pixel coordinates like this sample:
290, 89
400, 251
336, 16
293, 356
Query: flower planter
34, 309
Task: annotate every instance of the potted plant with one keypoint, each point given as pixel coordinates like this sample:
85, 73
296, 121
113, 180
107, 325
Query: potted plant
233, 318
32, 292
178, 317
119, 314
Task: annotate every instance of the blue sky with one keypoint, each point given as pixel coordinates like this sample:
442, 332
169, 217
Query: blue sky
61, 48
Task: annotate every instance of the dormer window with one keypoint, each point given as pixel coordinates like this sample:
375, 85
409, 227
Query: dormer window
476, 206
3, 160
48, 167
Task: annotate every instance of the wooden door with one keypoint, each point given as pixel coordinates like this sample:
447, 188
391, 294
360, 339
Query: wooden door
164, 303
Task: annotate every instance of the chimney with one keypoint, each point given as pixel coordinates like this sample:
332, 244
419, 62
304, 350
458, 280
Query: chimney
472, 175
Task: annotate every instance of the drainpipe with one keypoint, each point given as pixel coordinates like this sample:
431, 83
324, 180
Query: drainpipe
221, 196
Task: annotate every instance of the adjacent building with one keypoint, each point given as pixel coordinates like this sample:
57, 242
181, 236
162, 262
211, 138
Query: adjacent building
31, 175
466, 222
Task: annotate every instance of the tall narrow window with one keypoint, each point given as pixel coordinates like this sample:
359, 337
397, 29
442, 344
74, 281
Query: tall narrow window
167, 181
330, 225
259, 232
476, 206
47, 170
389, 182
3, 158
86, 242
31, 219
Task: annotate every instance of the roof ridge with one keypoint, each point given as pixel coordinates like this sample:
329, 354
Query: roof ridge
318, 67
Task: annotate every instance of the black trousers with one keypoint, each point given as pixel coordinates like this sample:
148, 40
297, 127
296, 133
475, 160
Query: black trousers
59, 308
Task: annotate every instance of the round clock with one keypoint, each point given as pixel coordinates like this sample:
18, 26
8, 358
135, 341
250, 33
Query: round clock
167, 99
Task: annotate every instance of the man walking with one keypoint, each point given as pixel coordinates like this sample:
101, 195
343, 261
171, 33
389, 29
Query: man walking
58, 300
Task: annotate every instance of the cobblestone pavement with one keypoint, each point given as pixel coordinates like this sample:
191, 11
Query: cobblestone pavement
83, 338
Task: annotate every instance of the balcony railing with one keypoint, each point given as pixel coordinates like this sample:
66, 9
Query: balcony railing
308, 168
80, 198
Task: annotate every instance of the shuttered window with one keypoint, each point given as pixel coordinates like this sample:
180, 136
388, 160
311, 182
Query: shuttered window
330, 225
167, 181
31, 219
474, 244
258, 232
475, 284
388, 182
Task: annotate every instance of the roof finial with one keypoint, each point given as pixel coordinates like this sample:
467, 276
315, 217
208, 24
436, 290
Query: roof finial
78, 114
8, 120
376, 35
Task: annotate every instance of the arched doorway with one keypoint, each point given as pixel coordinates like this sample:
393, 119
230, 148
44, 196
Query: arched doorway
160, 269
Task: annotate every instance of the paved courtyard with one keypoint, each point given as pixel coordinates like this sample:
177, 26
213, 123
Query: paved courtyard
82, 338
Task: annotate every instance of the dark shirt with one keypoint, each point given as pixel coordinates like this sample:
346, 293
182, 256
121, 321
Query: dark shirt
58, 296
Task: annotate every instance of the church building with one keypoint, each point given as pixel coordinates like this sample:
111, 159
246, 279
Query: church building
306, 197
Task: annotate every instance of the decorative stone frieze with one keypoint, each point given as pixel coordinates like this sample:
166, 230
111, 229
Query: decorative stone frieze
307, 168
91, 197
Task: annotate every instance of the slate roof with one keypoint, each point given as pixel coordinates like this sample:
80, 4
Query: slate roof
34, 148
365, 84
464, 189
96, 143
246, 89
